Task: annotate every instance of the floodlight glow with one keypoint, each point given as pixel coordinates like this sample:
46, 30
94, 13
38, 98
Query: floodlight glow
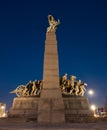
90, 92
4, 115
93, 107
2, 107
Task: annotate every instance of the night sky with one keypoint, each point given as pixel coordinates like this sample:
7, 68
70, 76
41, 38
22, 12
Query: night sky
81, 36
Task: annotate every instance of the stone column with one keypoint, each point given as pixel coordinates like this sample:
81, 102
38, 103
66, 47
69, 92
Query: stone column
51, 106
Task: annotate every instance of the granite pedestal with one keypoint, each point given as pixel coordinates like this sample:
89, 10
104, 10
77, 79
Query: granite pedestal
24, 107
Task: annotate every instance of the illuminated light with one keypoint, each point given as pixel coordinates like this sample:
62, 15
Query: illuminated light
2, 107
3, 111
90, 92
4, 115
93, 107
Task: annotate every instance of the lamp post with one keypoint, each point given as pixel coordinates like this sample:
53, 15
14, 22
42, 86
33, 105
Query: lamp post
3, 110
93, 108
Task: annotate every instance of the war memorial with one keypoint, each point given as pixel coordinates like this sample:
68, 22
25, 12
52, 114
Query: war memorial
54, 103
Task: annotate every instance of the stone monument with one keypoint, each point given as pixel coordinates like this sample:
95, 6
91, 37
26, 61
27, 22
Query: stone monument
53, 99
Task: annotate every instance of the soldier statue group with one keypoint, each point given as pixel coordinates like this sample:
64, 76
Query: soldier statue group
72, 87
30, 89
68, 87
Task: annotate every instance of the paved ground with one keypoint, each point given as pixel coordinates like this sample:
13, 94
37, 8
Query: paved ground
14, 124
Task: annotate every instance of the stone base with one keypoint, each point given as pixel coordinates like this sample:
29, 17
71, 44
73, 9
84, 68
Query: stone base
77, 110
51, 111
26, 107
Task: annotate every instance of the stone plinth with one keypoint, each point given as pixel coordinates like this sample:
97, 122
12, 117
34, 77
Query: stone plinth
51, 111
24, 107
77, 110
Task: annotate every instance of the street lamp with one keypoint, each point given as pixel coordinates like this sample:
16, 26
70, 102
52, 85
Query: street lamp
2, 107
2, 113
93, 108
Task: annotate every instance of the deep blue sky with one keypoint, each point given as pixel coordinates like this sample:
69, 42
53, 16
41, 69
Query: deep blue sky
81, 36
